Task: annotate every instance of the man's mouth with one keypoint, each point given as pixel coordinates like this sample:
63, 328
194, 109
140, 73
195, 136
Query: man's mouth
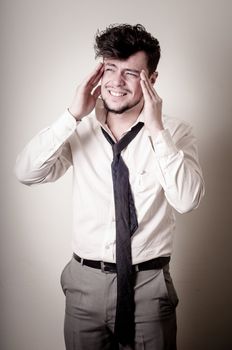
116, 93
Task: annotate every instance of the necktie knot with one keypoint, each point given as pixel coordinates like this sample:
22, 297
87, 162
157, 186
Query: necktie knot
117, 147
116, 150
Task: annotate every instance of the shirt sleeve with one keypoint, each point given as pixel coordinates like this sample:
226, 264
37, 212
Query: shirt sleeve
179, 172
48, 155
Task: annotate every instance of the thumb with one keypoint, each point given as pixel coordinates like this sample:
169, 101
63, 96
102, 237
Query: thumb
96, 92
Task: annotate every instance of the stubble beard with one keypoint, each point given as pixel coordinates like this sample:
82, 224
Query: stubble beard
122, 109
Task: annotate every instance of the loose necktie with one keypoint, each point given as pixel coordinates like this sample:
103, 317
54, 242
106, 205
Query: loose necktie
126, 225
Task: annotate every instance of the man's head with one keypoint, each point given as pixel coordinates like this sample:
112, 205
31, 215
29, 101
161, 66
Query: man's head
123, 40
126, 51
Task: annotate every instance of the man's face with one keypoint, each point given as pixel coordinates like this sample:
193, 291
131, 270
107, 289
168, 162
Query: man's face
120, 85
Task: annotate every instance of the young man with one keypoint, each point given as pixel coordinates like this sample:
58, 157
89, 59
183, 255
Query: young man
132, 168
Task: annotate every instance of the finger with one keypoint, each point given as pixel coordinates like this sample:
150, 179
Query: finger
96, 92
93, 75
147, 82
146, 94
156, 95
98, 77
149, 86
145, 88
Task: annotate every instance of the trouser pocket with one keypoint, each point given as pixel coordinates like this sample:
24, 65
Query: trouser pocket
63, 277
170, 299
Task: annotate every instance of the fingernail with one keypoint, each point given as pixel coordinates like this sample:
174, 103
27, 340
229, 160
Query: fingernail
142, 74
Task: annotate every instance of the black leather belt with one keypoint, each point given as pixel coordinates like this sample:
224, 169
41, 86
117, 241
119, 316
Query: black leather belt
154, 264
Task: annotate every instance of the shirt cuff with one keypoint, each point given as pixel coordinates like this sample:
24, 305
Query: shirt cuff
163, 144
64, 126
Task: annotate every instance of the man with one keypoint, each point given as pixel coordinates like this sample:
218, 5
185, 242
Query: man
132, 168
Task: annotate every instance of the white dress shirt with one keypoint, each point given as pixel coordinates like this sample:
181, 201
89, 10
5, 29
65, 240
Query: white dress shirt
164, 175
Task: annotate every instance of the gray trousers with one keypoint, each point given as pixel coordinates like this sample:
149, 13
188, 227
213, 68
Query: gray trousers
91, 305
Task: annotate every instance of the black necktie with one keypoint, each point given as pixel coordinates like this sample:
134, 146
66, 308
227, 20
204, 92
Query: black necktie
126, 225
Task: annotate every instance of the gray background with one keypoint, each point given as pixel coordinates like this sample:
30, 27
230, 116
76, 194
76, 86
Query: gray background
47, 48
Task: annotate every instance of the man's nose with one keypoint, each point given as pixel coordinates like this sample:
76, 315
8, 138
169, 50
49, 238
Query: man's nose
118, 79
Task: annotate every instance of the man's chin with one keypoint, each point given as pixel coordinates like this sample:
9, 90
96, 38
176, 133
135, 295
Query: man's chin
118, 110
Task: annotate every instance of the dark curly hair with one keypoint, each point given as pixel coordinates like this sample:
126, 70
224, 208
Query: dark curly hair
120, 41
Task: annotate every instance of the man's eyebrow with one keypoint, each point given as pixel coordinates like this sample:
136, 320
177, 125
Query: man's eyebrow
110, 64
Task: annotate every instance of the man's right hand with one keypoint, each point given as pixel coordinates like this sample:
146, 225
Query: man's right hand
86, 94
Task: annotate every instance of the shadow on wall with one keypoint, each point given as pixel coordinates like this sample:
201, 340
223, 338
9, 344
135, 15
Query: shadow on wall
202, 257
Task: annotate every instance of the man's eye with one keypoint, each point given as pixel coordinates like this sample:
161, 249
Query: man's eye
132, 74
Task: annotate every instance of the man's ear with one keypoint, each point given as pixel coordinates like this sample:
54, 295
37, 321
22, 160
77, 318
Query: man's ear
153, 77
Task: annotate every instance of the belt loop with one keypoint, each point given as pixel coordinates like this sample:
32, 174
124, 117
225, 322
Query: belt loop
102, 266
82, 261
136, 268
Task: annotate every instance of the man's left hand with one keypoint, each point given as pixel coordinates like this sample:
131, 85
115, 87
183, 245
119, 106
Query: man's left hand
152, 106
